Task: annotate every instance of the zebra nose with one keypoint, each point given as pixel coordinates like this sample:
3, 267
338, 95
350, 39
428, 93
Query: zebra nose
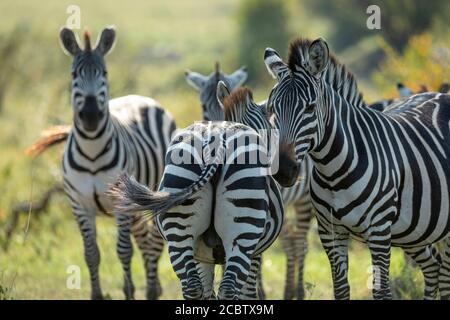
89, 114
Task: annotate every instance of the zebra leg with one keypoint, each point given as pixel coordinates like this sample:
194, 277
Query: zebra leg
335, 244
260, 284
125, 252
251, 289
206, 272
288, 246
86, 223
303, 221
239, 246
151, 246
379, 243
444, 272
426, 259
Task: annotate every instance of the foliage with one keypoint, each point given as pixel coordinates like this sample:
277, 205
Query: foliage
426, 60
154, 47
400, 19
262, 23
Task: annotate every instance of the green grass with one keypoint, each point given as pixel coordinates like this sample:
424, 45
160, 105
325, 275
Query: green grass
36, 264
157, 40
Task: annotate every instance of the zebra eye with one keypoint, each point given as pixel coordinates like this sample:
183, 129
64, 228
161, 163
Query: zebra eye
310, 107
105, 73
74, 74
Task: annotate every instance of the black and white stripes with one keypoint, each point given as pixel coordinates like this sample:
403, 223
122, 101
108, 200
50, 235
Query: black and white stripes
128, 134
380, 177
222, 210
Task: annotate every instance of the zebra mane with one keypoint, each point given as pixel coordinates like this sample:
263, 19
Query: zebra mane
87, 41
337, 74
236, 103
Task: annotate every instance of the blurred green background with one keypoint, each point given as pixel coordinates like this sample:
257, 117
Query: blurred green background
156, 41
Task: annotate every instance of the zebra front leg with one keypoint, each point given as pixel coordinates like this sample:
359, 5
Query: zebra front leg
444, 272
429, 264
125, 252
303, 222
335, 243
151, 246
288, 245
86, 224
379, 242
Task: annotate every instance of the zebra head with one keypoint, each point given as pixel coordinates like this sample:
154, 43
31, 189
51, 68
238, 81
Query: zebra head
295, 103
207, 86
239, 106
89, 78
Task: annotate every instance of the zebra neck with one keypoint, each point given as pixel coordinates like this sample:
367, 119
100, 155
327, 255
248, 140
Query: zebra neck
93, 145
349, 135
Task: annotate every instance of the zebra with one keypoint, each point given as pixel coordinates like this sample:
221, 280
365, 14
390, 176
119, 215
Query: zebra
212, 207
108, 137
382, 178
293, 239
381, 105
207, 86
404, 92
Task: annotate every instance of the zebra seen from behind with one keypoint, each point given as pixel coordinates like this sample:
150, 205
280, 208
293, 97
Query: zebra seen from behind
383, 178
108, 137
217, 203
242, 109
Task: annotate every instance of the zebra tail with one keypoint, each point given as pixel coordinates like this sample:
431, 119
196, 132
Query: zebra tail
129, 195
50, 137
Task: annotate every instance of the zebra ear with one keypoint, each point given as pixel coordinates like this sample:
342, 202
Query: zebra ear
69, 41
106, 41
274, 63
319, 56
195, 79
222, 92
238, 78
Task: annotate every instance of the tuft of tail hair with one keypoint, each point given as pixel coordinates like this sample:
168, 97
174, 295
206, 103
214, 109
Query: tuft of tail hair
129, 195
50, 137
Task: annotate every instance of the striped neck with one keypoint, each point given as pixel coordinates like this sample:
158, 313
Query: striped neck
93, 144
349, 133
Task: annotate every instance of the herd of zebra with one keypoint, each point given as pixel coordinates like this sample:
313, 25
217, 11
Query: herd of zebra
378, 173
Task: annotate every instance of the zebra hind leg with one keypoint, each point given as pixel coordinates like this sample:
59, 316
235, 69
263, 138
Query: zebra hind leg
151, 246
206, 272
125, 252
86, 223
251, 289
428, 261
444, 272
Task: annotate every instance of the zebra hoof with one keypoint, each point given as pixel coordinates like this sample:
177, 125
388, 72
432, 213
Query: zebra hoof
300, 294
97, 296
154, 292
128, 290
288, 295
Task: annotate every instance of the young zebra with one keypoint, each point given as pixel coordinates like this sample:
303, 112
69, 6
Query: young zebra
207, 86
217, 203
108, 137
243, 109
383, 178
